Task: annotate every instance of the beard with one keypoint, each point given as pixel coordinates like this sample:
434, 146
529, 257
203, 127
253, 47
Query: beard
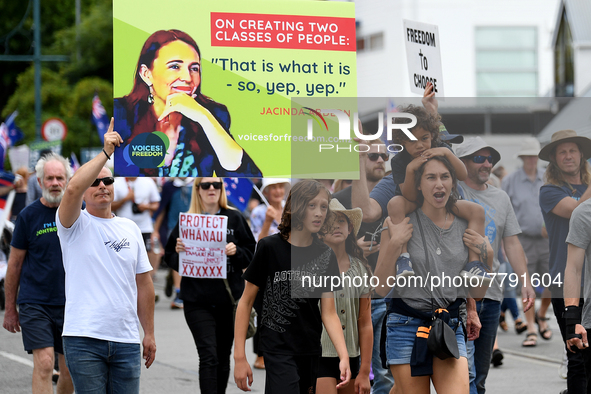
375, 175
53, 199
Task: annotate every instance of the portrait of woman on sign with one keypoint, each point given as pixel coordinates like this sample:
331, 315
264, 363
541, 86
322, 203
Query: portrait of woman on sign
166, 97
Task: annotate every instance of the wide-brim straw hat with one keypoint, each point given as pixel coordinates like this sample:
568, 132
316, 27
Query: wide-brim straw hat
354, 215
563, 136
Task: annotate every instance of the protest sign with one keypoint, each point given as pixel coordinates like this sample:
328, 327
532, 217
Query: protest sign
225, 109
423, 56
204, 237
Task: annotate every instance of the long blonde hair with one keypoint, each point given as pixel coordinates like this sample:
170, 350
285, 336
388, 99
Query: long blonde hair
196, 205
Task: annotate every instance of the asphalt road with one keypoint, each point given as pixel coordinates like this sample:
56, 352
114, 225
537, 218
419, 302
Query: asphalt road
531, 370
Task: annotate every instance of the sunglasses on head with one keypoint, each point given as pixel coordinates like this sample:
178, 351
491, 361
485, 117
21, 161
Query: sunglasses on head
480, 159
106, 181
207, 185
375, 156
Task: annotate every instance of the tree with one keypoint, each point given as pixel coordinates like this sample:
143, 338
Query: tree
68, 87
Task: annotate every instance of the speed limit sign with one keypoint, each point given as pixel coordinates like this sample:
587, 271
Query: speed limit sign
54, 129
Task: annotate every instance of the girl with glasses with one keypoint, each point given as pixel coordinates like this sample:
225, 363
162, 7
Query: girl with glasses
208, 308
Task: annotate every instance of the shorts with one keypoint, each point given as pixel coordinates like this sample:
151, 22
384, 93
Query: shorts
401, 333
328, 367
147, 241
41, 326
290, 374
537, 251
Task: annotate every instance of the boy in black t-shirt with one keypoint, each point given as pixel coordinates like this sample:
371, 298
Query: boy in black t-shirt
288, 268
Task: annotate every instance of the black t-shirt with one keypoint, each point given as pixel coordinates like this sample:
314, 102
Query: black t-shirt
344, 197
290, 321
42, 279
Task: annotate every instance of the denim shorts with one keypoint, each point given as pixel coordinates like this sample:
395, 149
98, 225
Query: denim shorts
401, 333
41, 326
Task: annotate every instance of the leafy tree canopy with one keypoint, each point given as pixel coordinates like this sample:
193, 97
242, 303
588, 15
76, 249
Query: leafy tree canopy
67, 87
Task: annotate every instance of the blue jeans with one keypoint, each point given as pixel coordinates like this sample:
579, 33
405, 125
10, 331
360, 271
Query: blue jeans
383, 380
480, 350
99, 366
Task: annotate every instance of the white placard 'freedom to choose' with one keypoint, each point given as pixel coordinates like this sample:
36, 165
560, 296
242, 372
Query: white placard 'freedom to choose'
423, 56
204, 237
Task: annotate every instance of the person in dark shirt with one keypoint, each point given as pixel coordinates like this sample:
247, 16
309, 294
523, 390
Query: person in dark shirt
208, 306
36, 275
285, 269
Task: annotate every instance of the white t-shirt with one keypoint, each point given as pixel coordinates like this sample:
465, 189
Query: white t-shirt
101, 259
145, 191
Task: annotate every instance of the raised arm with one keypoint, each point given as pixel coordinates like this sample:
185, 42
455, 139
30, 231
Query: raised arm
392, 242
69, 210
408, 188
371, 209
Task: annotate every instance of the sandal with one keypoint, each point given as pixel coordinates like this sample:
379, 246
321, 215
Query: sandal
531, 340
259, 363
503, 323
520, 326
544, 332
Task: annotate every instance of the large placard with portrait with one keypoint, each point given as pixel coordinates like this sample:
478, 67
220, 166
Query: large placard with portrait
205, 87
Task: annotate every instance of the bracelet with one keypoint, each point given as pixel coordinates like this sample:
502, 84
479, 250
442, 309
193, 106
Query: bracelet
106, 154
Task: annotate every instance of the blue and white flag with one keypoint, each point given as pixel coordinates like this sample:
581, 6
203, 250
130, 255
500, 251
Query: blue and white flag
99, 117
14, 132
74, 162
238, 191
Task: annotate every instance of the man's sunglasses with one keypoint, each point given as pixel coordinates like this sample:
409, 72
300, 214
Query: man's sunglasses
107, 181
375, 156
207, 185
480, 159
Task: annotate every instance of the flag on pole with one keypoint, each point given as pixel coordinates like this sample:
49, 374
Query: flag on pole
238, 191
99, 117
14, 132
4, 144
6, 179
74, 162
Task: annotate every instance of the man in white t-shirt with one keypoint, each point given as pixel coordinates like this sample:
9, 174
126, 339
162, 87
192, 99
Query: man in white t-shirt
109, 290
137, 199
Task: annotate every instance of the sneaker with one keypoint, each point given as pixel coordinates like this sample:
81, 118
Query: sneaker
177, 303
563, 369
477, 269
404, 267
497, 358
